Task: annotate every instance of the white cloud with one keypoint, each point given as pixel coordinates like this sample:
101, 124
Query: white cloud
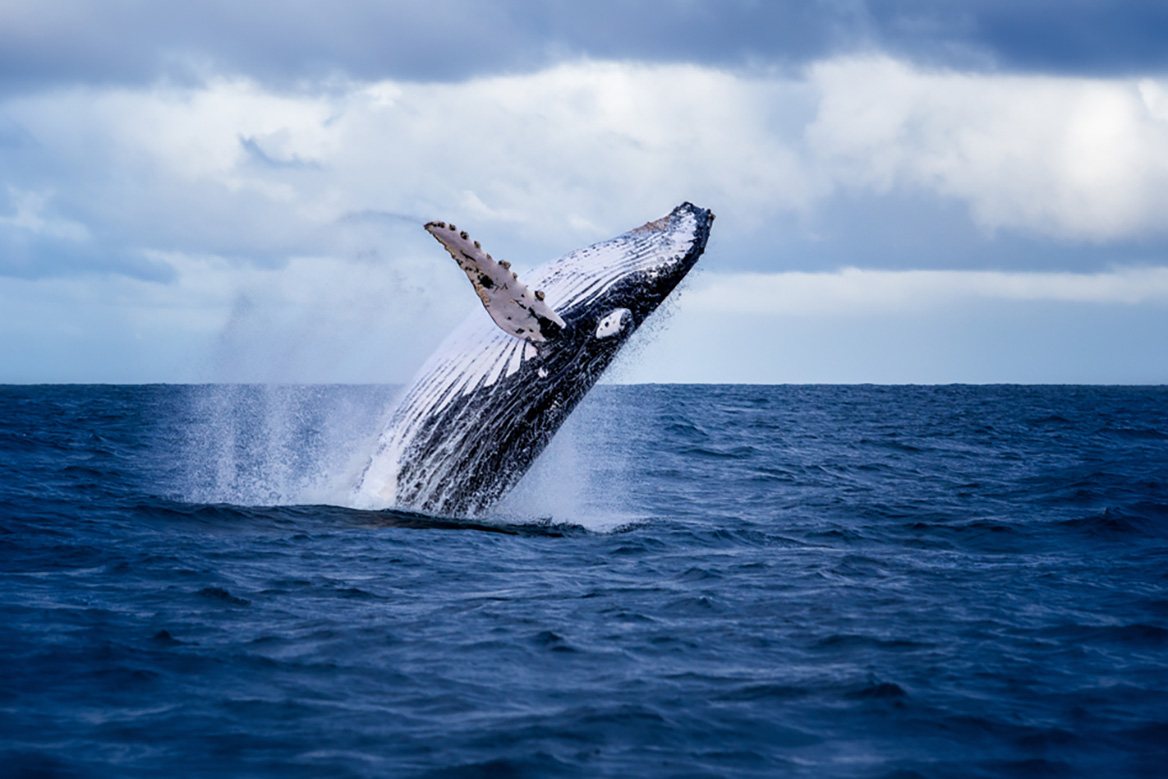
547, 160
917, 326
551, 158
316, 319
856, 292
285, 220
1074, 158
29, 213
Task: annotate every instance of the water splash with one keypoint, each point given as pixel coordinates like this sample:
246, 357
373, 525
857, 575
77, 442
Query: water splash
278, 445
290, 445
582, 477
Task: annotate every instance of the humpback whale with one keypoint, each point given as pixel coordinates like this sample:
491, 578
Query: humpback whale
483, 407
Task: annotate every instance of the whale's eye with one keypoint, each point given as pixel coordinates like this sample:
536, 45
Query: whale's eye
616, 321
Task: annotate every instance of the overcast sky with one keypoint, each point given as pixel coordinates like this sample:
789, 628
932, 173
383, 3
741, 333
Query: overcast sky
906, 191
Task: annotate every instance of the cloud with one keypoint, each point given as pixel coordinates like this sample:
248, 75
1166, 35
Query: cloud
281, 44
909, 326
237, 179
983, 340
274, 198
541, 163
163, 169
257, 153
36, 242
316, 319
1081, 38
1075, 159
285, 44
544, 162
855, 292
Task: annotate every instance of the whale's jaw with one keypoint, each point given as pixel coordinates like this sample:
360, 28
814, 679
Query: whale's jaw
486, 404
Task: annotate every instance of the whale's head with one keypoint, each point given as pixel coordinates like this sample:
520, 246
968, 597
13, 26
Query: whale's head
606, 291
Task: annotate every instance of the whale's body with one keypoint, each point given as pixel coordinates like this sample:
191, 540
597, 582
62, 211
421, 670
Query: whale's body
487, 402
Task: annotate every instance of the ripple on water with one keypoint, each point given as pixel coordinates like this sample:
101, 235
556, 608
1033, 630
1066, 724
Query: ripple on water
749, 581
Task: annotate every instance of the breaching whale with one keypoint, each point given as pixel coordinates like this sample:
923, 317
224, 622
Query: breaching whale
483, 407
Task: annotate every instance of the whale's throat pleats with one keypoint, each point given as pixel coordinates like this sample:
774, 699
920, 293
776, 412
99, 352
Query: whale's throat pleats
516, 309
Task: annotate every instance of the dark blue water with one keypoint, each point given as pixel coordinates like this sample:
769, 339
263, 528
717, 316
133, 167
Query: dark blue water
696, 581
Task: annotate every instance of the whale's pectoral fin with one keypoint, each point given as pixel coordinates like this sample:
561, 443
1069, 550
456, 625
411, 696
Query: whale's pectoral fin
510, 303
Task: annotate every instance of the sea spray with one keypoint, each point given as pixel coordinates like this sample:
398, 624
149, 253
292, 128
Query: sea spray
277, 445
575, 482
288, 445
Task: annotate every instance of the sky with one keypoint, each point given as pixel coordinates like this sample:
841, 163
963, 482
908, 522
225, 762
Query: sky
906, 191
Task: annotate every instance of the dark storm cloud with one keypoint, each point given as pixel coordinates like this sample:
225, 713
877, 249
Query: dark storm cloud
1074, 37
132, 41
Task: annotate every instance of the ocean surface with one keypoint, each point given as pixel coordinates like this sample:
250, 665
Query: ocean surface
732, 581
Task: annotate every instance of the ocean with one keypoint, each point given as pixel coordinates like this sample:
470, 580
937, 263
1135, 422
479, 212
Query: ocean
722, 581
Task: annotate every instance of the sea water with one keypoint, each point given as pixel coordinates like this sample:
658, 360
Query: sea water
807, 581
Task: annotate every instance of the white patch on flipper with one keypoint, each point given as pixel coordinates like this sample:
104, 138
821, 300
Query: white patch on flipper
508, 300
